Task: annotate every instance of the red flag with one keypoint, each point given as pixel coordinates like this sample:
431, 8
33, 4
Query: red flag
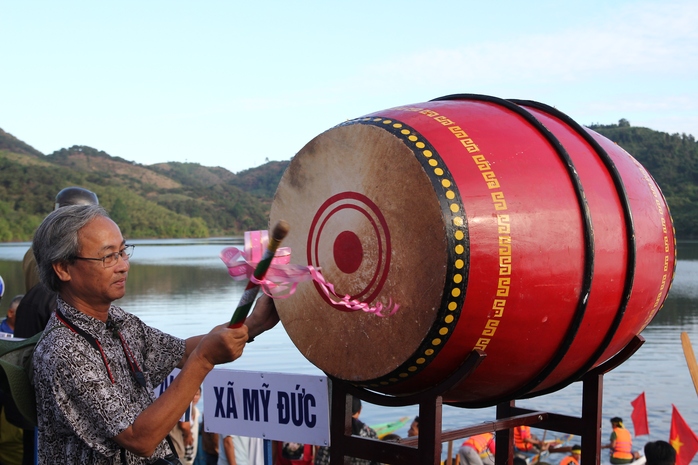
682, 438
639, 416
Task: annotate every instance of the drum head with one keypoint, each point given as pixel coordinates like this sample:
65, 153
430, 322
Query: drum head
362, 210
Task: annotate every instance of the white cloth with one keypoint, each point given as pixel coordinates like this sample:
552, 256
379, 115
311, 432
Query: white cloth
248, 451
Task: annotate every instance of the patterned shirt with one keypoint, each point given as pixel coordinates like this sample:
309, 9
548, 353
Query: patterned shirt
79, 408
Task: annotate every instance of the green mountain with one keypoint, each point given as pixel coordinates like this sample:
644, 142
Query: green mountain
191, 200
672, 160
163, 200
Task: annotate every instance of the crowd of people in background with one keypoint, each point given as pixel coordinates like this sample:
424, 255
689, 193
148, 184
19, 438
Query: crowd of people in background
215, 449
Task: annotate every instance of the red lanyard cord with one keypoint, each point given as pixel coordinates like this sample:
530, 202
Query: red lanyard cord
132, 363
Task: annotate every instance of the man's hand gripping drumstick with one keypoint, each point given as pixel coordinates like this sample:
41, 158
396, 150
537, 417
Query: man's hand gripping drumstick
251, 290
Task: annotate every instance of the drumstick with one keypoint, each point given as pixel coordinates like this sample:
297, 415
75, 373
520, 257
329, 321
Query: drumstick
248, 296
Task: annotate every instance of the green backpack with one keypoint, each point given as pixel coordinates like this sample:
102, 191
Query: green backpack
15, 380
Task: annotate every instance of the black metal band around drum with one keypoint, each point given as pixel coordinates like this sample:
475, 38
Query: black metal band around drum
446, 319
631, 256
589, 250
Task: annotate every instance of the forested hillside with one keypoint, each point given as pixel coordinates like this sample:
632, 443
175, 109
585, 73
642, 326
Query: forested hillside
672, 159
164, 200
191, 200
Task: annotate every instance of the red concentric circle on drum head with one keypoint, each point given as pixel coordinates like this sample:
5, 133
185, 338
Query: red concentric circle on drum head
348, 252
349, 241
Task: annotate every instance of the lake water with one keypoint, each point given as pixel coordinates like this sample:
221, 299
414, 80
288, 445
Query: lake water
182, 287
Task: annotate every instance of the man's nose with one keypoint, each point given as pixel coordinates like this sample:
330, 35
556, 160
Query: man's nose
122, 264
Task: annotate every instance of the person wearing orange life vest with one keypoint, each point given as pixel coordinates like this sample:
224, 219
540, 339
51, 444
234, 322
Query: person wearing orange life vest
525, 441
621, 444
478, 450
573, 459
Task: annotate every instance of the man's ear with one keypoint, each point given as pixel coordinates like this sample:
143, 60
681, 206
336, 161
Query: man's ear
62, 271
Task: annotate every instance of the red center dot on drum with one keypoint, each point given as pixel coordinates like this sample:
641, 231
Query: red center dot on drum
348, 252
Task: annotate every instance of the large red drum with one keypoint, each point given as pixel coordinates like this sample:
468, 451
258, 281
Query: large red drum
498, 225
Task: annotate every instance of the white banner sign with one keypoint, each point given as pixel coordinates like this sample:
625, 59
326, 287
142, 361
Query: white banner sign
278, 406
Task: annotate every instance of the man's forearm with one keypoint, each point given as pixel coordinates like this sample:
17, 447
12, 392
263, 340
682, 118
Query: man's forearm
158, 419
189, 345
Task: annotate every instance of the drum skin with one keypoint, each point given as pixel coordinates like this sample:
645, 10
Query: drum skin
498, 225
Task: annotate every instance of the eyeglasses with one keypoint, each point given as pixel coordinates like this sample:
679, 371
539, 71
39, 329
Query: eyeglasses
113, 258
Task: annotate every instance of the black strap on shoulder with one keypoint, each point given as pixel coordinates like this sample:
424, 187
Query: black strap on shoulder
136, 371
76, 329
91, 340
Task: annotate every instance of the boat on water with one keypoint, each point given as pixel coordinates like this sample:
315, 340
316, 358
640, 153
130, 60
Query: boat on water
383, 429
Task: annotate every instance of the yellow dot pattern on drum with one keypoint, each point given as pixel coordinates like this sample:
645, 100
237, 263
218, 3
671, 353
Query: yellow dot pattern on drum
455, 285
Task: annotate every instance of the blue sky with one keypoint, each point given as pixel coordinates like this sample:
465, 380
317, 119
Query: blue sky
231, 84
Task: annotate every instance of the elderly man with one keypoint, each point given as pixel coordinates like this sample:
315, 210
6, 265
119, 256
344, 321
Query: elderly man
96, 365
39, 302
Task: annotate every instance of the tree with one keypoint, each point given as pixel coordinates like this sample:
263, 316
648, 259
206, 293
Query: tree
119, 211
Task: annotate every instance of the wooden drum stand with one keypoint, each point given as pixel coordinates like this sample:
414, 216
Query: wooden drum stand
426, 448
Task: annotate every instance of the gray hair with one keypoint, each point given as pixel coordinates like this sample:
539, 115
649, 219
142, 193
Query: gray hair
56, 240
